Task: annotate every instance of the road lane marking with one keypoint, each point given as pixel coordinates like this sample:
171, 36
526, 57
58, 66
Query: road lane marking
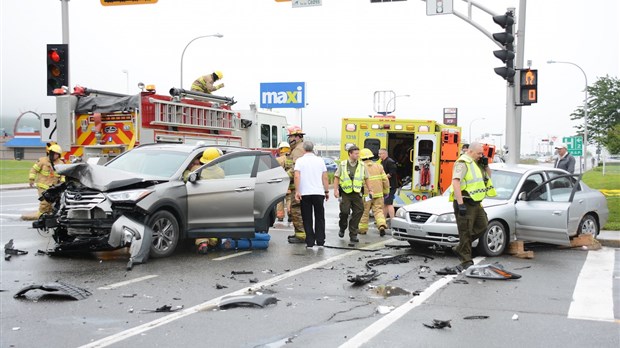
17, 205
123, 335
592, 297
375, 328
11, 216
231, 256
127, 282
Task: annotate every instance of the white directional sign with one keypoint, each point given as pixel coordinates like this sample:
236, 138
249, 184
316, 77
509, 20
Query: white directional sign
306, 3
48, 128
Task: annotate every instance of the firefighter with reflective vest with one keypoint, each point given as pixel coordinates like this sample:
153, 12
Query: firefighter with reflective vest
205, 83
471, 183
284, 150
350, 180
379, 184
43, 174
295, 140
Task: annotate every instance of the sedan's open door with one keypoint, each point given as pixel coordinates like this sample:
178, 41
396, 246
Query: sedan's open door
545, 212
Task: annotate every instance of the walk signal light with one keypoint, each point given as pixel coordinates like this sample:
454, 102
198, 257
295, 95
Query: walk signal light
529, 86
505, 38
57, 67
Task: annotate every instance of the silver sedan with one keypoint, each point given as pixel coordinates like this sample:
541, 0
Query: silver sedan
533, 203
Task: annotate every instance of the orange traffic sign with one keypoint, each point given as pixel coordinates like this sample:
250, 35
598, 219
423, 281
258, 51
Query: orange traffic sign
126, 2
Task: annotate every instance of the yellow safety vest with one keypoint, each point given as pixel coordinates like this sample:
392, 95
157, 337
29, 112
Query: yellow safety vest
474, 182
346, 183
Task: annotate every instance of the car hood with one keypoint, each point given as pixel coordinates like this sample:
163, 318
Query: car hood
440, 205
104, 179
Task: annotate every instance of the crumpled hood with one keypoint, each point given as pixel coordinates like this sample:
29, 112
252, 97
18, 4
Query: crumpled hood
102, 178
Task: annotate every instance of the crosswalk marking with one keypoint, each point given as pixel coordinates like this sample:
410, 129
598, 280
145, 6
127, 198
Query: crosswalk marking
593, 297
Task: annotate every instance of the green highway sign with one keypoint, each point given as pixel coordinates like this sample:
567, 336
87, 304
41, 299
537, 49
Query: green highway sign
574, 145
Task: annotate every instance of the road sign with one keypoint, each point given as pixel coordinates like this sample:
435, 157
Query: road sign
438, 7
306, 3
48, 128
126, 2
450, 116
574, 145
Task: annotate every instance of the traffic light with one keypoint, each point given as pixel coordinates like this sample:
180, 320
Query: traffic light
506, 38
529, 86
57, 67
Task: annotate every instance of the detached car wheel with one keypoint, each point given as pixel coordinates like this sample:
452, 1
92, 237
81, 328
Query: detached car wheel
588, 225
165, 234
493, 241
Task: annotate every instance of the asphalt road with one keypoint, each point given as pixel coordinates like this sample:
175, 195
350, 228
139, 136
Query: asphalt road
317, 307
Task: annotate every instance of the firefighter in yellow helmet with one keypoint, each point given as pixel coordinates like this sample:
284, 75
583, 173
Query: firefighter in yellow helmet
284, 150
206, 83
211, 172
295, 140
379, 184
43, 174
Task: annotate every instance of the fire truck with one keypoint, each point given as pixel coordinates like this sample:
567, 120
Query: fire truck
424, 151
96, 126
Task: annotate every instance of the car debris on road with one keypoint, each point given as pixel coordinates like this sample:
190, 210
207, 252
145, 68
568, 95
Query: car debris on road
438, 324
58, 288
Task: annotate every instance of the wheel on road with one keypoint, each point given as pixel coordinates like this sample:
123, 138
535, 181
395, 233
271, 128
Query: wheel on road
493, 242
588, 225
165, 234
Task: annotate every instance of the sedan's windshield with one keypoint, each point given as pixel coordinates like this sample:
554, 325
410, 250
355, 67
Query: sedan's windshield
504, 183
150, 163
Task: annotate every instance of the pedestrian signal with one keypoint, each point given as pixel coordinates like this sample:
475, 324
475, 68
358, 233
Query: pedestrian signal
57, 67
529, 86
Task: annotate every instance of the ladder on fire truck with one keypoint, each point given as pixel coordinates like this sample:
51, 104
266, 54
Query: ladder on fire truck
178, 113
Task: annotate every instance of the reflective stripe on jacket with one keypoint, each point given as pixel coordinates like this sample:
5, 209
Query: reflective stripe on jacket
378, 181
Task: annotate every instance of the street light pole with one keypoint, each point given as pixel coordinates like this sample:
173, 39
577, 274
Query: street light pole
585, 112
183, 54
394, 99
471, 140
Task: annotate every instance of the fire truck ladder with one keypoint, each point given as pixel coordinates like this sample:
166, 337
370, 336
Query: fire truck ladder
179, 114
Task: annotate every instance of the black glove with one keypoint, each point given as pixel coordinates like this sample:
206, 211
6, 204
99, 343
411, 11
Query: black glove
484, 161
462, 209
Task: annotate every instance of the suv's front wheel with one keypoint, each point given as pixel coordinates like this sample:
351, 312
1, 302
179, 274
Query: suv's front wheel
165, 234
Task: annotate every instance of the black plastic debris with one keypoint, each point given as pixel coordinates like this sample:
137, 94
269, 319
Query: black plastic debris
58, 288
416, 293
164, 309
438, 324
220, 286
41, 252
360, 279
494, 271
461, 281
247, 301
254, 280
476, 317
241, 272
129, 295
524, 267
9, 251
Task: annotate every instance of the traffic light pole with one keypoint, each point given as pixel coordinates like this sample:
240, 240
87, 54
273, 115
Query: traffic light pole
65, 21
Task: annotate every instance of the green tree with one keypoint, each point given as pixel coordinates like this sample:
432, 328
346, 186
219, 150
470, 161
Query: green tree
603, 113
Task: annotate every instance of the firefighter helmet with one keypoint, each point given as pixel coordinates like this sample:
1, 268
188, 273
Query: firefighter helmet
283, 145
55, 148
210, 154
219, 74
295, 130
366, 154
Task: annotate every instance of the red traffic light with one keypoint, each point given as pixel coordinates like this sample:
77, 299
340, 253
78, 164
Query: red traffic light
54, 56
57, 67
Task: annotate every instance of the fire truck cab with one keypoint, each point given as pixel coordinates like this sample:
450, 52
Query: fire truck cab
424, 152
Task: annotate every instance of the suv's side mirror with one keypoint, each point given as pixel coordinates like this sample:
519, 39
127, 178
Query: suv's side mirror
192, 177
522, 196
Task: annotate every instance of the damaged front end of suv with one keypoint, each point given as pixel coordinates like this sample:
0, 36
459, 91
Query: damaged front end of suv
96, 210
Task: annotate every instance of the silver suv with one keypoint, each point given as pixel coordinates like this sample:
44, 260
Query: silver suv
146, 199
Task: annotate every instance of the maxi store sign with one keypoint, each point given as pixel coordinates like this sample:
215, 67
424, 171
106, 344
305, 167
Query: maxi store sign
282, 95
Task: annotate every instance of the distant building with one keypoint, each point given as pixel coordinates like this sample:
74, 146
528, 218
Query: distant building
25, 145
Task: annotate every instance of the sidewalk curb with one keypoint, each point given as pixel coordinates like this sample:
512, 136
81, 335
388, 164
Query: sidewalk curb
612, 243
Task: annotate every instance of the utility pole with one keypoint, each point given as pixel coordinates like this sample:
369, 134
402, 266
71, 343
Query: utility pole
516, 147
65, 28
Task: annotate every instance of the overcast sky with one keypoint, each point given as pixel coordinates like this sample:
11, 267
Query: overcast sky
344, 50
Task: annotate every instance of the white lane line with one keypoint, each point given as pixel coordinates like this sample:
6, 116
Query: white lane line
127, 282
375, 328
593, 298
24, 225
19, 205
11, 216
123, 335
231, 256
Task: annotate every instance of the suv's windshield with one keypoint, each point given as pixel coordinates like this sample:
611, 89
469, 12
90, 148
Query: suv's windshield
504, 183
151, 163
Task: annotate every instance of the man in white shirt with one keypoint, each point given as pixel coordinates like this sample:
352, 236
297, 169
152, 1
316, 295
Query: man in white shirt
311, 188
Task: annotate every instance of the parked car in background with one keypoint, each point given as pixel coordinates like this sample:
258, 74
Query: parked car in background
142, 198
533, 203
330, 164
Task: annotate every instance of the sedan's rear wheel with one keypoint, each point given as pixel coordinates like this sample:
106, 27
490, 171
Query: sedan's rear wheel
165, 234
588, 225
493, 242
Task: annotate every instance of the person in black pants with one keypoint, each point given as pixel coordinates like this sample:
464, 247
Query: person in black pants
311, 188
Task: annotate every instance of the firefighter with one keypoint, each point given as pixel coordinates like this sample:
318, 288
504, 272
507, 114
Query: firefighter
284, 150
43, 175
194, 165
295, 140
351, 177
380, 186
205, 84
211, 172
